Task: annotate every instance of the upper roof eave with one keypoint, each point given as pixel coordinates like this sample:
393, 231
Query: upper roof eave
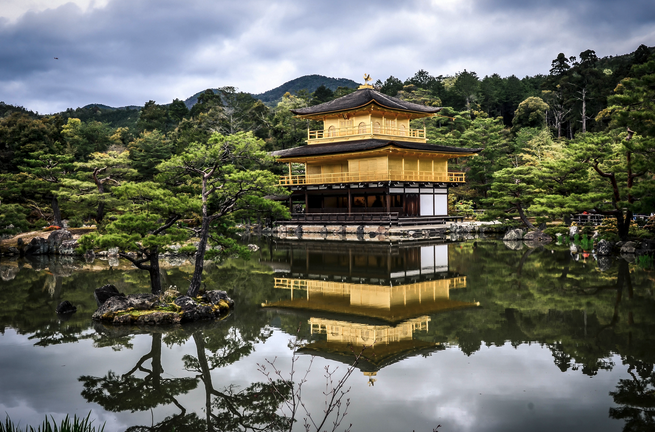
361, 98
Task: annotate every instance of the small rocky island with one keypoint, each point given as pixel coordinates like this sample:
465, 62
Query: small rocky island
167, 308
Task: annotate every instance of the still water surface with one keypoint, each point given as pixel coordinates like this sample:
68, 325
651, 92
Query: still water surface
470, 336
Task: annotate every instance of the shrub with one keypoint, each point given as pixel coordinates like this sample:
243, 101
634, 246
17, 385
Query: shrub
75, 222
559, 229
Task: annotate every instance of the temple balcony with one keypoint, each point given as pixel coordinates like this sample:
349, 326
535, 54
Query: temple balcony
373, 176
365, 131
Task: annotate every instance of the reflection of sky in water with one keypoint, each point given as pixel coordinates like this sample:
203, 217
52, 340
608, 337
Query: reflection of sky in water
497, 388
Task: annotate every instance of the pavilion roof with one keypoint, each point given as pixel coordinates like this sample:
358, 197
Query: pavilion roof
361, 98
365, 145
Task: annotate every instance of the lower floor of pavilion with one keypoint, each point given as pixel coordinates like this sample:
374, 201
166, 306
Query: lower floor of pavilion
369, 202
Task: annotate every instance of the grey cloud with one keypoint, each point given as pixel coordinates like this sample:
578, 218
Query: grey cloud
132, 51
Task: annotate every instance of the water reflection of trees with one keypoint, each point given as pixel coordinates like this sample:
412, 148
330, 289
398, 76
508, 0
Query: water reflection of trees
636, 397
227, 408
128, 392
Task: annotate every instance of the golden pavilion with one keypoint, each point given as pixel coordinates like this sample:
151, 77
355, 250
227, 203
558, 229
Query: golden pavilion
368, 165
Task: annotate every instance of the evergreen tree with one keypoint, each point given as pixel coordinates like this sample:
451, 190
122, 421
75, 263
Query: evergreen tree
228, 173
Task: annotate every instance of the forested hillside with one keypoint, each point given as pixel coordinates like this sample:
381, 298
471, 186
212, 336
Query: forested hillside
308, 83
579, 137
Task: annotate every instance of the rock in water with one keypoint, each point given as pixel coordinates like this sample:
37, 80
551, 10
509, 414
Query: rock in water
537, 236
106, 292
514, 235
628, 248
37, 246
573, 230
66, 307
604, 248
56, 238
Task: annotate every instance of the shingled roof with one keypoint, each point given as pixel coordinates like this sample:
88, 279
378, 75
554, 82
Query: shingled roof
363, 145
361, 98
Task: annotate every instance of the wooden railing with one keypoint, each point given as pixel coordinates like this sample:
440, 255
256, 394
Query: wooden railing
372, 176
364, 130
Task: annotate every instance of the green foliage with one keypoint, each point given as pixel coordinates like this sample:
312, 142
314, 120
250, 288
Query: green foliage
645, 261
148, 151
322, 94
75, 222
641, 233
530, 113
464, 208
88, 190
13, 214
554, 230
83, 139
21, 135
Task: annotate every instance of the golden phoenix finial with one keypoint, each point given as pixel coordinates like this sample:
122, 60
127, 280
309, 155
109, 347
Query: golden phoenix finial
367, 78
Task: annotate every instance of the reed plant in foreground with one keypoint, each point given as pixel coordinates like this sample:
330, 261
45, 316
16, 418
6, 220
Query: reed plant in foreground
81, 424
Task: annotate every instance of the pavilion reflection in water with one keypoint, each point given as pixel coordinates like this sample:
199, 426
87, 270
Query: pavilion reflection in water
372, 296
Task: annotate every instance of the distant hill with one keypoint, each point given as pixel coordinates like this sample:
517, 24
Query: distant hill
107, 107
307, 82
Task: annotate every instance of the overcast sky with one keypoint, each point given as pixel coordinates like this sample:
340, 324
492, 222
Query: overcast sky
126, 52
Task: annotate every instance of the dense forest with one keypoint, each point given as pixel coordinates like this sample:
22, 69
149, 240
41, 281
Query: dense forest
579, 138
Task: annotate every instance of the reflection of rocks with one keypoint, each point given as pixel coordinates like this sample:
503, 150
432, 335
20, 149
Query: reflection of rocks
150, 309
629, 257
175, 261
513, 245
604, 262
113, 261
65, 308
628, 248
8, 273
604, 248
513, 235
89, 256
573, 248
68, 247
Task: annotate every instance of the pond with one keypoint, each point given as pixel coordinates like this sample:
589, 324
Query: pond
464, 336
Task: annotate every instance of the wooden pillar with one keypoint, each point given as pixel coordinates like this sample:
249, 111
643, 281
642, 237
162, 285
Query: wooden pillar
388, 201
306, 202
349, 202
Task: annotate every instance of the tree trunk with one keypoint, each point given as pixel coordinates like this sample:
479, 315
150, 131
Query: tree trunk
523, 217
153, 269
623, 224
206, 377
157, 368
56, 212
100, 214
194, 287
